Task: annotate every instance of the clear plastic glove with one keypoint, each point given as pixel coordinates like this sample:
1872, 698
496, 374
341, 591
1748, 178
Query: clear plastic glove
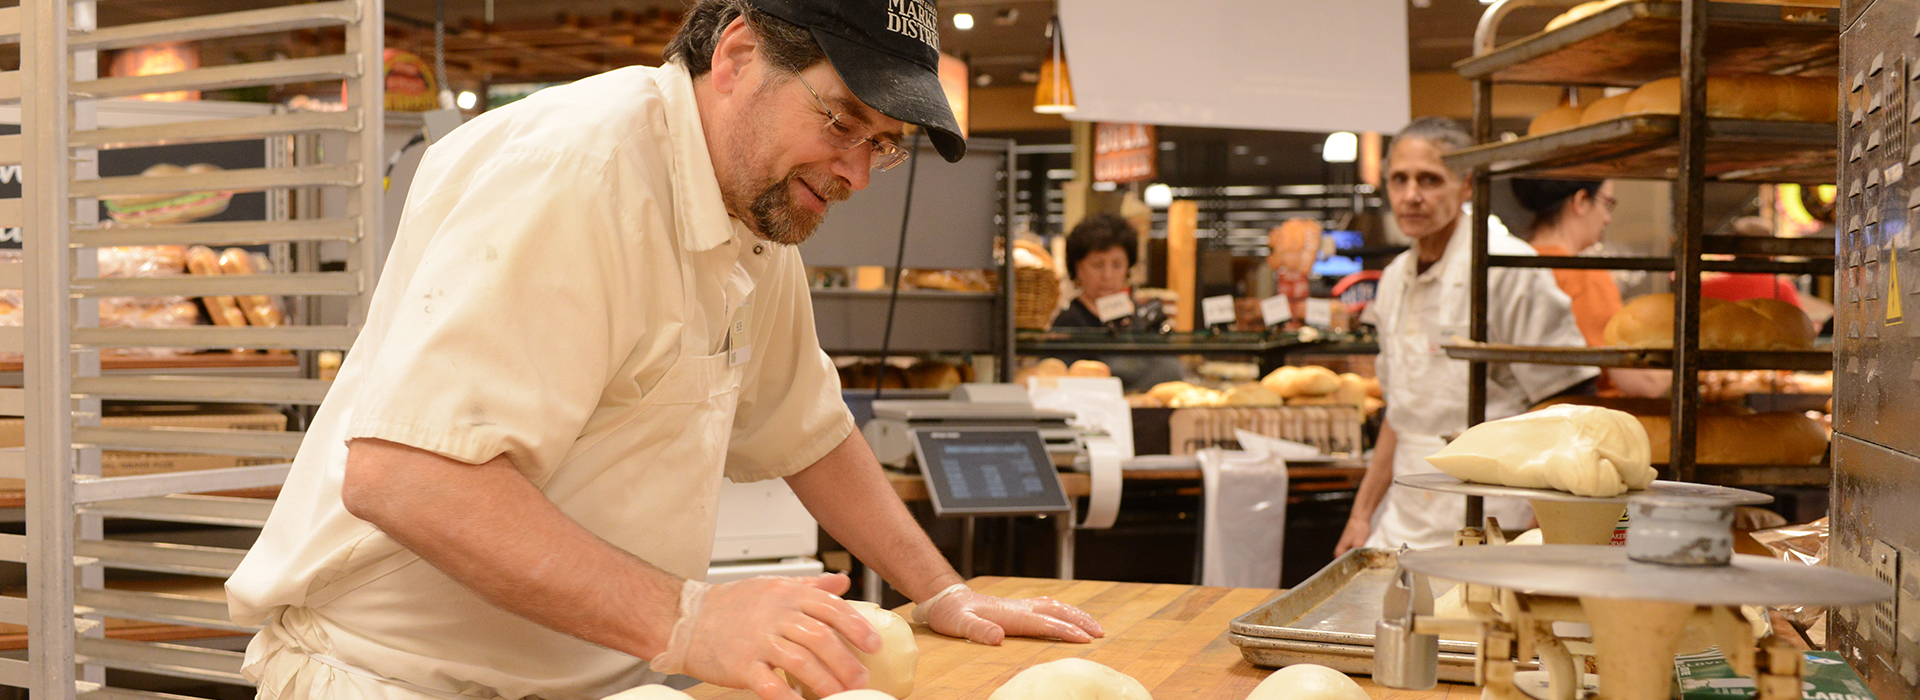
736, 634
958, 611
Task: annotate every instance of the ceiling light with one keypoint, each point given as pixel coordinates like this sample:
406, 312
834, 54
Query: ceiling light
467, 99
1341, 147
962, 21
1157, 195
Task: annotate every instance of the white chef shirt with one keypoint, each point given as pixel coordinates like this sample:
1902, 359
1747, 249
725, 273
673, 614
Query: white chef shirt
560, 291
1426, 391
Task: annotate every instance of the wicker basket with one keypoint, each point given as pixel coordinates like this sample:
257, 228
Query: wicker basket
1036, 295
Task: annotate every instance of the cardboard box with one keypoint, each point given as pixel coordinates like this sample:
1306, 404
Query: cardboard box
1707, 676
211, 417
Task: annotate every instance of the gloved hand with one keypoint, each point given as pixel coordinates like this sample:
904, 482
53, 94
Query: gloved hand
736, 634
958, 611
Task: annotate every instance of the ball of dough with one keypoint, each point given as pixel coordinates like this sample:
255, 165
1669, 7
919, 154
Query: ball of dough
890, 672
861, 694
649, 692
1071, 679
1307, 682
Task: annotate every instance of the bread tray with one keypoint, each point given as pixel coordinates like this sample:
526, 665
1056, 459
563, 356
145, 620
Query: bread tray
1329, 618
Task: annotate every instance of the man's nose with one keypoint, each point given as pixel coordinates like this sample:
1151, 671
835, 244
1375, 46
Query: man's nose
855, 165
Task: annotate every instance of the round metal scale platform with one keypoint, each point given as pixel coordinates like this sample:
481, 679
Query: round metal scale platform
1606, 572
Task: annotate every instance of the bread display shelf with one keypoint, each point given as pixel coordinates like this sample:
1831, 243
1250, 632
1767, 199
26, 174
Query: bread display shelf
1763, 474
1645, 358
1635, 43
197, 361
1647, 147
1662, 264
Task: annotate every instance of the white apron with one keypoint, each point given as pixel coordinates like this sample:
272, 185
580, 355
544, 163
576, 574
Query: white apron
369, 630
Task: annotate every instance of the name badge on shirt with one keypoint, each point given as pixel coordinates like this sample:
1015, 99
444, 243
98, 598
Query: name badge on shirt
1113, 306
739, 349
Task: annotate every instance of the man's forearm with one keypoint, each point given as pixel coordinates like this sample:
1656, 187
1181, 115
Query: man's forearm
1379, 477
491, 530
848, 493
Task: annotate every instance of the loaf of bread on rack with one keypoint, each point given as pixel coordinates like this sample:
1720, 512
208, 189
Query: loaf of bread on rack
260, 310
1605, 108
1762, 97
1556, 119
223, 309
1727, 433
1580, 12
1752, 324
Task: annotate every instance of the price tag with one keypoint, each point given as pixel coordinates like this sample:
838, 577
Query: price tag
1320, 313
1217, 310
1276, 309
1113, 306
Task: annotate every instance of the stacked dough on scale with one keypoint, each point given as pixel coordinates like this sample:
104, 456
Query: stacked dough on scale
1582, 450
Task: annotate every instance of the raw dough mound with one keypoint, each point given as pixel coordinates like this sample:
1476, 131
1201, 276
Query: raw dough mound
889, 672
1307, 682
1583, 450
649, 692
862, 694
1071, 679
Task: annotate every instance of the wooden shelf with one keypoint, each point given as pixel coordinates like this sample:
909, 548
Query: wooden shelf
205, 360
1647, 147
1635, 43
1644, 358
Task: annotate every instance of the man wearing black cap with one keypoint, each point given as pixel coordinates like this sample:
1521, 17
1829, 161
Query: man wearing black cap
592, 312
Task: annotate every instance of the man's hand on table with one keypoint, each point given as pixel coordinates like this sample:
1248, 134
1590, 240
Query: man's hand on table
736, 634
1354, 536
961, 612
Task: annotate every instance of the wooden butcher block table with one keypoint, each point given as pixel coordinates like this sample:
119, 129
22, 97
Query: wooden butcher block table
1172, 638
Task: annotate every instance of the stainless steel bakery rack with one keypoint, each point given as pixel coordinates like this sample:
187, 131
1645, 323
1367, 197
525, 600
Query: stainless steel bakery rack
58, 90
1629, 44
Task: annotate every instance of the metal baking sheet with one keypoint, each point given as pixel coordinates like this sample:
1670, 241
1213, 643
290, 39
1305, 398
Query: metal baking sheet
1647, 146
1436, 481
1634, 43
1328, 620
1653, 358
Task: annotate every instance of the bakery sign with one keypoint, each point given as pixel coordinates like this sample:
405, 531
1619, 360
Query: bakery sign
1125, 153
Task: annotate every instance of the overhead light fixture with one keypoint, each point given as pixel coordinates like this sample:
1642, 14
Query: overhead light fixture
1006, 16
1054, 93
467, 99
1341, 147
1157, 195
962, 21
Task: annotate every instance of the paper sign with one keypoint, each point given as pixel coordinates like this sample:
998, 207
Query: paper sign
1320, 313
1113, 306
1276, 309
1217, 310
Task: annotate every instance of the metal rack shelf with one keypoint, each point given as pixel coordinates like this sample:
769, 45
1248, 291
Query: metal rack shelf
1643, 358
1650, 264
1647, 147
1634, 43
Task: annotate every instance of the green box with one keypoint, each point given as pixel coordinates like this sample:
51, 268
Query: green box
1707, 676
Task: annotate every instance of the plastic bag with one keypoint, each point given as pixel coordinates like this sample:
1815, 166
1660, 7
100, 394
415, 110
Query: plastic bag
1806, 544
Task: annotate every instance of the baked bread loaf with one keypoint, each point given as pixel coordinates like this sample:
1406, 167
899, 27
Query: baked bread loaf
1251, 394
1296, 382
1556, 119
1762, 97
1089, 368
1752, 324
223, 309
261, 310
1582, 450
1728, 433
1580, 12
1049, 367
1604, 108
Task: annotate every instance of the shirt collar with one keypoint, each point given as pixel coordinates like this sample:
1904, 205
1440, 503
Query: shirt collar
700, 211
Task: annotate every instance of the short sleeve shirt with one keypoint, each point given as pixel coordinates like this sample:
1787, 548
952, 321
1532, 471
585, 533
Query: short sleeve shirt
563, 282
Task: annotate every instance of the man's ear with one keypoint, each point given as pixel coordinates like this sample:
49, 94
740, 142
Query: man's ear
734, 56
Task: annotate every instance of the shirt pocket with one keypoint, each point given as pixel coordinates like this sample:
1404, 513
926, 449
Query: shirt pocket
693, 380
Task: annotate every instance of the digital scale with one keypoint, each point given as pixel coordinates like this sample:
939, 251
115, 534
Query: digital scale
972, 407
988, 471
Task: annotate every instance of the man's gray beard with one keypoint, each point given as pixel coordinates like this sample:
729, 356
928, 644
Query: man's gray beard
777, 218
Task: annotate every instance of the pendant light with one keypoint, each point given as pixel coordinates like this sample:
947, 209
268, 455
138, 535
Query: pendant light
1054, 94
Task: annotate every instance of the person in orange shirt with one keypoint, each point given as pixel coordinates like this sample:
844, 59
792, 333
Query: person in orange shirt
1570, 216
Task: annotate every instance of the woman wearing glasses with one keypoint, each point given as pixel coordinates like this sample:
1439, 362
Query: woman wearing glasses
1569, 216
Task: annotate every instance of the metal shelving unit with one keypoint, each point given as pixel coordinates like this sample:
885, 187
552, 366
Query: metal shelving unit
64, 548
1627, 45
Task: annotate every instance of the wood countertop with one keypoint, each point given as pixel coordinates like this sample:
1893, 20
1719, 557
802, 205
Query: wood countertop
1172, 638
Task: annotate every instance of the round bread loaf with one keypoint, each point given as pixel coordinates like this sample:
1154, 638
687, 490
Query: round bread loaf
1166, 392
1314, 380
1280, 381
1251, 394
1580, 12
1734, 327
1604, 108
1645, 322
1792, 329
1089, 368
1556, 119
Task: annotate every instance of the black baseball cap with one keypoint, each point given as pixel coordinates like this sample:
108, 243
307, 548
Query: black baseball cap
888, 53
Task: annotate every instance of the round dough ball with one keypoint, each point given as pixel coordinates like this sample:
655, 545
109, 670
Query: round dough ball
649, 692
861, 694
890, 672
1089, 368
1071, 679
1307, 682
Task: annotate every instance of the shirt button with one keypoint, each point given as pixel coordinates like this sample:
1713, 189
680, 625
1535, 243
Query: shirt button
757, 248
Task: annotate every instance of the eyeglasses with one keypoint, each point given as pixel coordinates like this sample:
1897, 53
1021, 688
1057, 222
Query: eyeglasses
845, 134
1607, 201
